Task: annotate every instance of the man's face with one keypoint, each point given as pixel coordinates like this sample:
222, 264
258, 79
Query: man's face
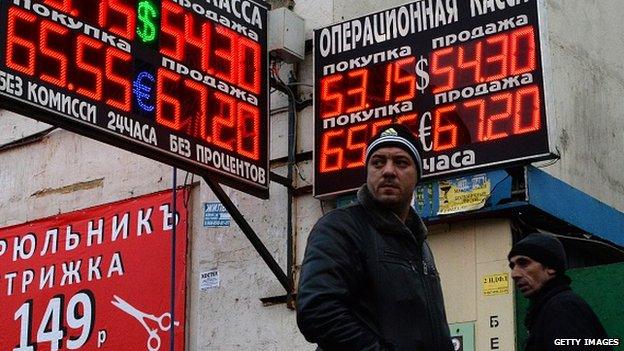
529, 275
391, 177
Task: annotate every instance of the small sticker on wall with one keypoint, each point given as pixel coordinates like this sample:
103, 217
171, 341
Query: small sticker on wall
496, 284
209, 280
216, 215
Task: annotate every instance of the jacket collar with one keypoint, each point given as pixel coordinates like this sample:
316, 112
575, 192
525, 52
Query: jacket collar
553, 287
387, 221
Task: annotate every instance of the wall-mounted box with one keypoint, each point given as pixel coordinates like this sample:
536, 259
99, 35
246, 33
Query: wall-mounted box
286, 35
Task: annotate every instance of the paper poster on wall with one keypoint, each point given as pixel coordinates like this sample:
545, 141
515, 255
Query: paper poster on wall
98, 278
496, 284
209, 280
216, 215
463, 194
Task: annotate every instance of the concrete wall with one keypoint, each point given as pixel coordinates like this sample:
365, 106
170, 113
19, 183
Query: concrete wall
586, 50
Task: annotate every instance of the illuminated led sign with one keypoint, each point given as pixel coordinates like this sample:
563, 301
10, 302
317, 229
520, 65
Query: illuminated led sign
183, 82
465, 76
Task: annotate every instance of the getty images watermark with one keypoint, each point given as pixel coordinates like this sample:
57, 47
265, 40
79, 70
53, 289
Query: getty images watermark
587, 342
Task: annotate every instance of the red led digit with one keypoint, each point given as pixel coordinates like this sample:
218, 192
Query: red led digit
407, 119
378, 125
168, 111
126, 14
248, 134
497, 64
331, 156
473, 64
122, 83
403, 79
442, 76
358, 148
523, 55
224, 120
47, 28
227, 56
490, 132
199, 41
358, 93
444, 135
84, 43
199, 122
388, 83
172, 31
21, 52
527, 103
249, 65
479, 104
61, 5
331, 102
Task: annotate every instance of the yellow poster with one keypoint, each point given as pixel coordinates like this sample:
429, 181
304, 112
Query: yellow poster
463, 194
496, 284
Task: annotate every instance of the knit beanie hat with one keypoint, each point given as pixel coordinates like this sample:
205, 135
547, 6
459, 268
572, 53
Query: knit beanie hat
543, 248
399, 136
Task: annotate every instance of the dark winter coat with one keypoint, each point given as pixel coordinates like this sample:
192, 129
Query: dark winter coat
369, 282
556, 312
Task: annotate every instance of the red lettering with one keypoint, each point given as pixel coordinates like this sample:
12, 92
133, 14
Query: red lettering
331, 155
60, 59
250, 65
225, 60
444, 132
248, 136
21, 52
88, 49
356, 96
224, 123
168, 111
527, 103
172, 31
442, 71
359, 148
119, 84
331, 102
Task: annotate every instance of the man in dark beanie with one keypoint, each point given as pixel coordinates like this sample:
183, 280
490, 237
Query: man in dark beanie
368, 279
538, 264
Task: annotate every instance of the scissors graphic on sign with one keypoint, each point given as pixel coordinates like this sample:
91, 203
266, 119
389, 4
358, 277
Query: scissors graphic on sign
164, 321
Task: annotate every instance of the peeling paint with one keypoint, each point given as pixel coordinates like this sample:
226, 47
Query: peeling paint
91, 184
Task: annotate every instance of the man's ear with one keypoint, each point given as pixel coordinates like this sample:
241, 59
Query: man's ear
551, 272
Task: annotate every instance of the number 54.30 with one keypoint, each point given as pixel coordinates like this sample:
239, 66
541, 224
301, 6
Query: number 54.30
80, 314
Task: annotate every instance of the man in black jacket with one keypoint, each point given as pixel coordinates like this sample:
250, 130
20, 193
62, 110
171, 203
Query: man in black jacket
557, 318
368, 279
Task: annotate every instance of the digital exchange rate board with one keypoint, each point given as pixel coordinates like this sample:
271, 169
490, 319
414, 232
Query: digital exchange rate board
183, 82
464, 76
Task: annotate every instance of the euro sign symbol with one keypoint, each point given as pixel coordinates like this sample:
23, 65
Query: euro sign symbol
147, 28
143, 90
423, 77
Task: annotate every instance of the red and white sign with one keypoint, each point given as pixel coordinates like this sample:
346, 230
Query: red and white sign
95, 279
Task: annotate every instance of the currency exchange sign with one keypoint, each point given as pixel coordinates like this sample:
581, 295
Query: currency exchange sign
465, 77
183, 82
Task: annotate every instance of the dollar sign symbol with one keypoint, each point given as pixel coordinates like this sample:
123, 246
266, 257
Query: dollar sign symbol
147, 28
423, 77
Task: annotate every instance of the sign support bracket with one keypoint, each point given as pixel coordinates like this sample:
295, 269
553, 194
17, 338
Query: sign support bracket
249, 232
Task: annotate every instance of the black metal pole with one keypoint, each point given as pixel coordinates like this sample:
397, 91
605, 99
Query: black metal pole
292, 150
249, 232
173, 260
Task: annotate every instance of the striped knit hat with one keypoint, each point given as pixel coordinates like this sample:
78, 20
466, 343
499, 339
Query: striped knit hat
399, 136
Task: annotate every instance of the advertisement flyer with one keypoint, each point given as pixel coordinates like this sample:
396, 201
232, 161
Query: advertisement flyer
95, 279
